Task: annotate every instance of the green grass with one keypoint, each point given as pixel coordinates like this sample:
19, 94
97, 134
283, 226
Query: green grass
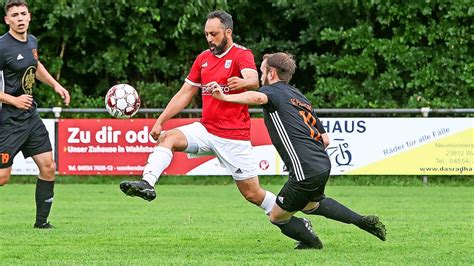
343, 180
208, 225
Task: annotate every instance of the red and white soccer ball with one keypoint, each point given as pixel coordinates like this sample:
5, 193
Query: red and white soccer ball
122, 101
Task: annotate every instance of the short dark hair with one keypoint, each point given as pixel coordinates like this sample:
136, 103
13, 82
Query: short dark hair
224, 17
284, 64
12, 3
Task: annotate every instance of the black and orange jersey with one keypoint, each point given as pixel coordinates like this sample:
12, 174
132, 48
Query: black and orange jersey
18, 62
295, 131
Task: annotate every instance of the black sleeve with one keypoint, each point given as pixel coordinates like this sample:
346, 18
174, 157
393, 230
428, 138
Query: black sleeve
34, 40
319, 125
269, 91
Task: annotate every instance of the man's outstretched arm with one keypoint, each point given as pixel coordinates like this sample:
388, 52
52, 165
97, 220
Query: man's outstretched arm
248, 97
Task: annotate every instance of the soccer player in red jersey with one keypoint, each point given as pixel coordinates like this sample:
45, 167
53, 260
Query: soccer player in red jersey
224, 129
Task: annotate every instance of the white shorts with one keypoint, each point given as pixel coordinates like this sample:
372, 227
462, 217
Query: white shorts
235, 155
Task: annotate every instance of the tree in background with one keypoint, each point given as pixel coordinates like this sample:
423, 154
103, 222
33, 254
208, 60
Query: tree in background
350, 54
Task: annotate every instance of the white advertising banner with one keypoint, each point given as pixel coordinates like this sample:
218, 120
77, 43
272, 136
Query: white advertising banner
382, 146
359, 146
401, 146
22, 166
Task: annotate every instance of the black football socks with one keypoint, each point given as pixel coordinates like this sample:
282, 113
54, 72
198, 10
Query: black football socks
44, 199
334, 210
295, 228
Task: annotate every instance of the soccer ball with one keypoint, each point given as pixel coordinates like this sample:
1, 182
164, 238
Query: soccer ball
122, 101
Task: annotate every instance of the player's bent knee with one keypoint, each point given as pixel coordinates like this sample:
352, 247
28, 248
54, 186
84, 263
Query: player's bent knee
51, 167
173, 140
47, 171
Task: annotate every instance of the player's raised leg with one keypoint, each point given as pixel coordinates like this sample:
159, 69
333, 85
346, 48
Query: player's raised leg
158, 161
334, 210
44, 188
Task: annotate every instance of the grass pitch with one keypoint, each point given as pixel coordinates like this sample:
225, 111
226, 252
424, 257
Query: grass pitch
209, 225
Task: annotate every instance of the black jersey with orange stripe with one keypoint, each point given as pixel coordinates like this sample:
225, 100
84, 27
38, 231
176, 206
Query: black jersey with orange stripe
295, 131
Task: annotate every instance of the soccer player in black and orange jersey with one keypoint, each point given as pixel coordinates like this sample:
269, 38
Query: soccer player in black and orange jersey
300, 139
21, 128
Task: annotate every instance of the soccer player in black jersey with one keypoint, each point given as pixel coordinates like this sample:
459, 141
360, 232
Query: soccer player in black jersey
300, 139
21, 128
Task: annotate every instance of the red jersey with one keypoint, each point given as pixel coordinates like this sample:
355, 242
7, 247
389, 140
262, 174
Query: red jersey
223, 119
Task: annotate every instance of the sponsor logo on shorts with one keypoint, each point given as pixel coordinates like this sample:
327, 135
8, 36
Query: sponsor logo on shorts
280, 199
239, 171
4, 157
264, 164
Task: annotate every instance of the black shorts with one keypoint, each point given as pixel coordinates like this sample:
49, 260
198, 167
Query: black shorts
294, 195
28, 136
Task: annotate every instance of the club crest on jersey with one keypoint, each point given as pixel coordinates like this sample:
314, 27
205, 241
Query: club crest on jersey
228, 63
35, 53
28, 80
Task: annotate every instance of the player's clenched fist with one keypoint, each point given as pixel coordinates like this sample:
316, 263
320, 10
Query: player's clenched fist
236, 83
212, 85
155, 132
218, 93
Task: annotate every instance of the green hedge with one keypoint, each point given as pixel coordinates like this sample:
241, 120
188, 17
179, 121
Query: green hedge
350, 54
